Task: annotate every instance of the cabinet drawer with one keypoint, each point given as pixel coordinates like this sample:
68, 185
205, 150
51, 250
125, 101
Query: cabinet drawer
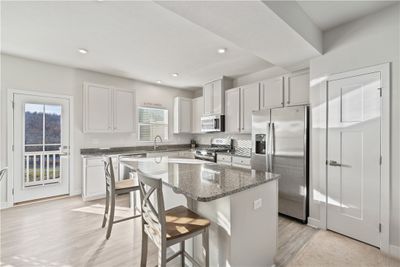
224, 158
241, 160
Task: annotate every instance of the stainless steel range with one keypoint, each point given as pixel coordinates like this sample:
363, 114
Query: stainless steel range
209, 153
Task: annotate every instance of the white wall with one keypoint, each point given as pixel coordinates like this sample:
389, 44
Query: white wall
259, 76
368, 41
25, 74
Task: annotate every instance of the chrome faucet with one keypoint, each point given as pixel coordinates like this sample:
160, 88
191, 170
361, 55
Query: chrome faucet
155, 141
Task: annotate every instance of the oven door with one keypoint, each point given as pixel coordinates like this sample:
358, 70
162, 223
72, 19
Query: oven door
206, 157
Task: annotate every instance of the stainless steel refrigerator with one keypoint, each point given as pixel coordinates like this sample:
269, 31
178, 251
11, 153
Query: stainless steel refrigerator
280, 145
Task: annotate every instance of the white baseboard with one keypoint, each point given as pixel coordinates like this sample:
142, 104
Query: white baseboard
5, 205
314, 222
395, 251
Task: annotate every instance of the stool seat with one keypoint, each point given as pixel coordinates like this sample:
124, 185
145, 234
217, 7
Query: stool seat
181, 221
126, 184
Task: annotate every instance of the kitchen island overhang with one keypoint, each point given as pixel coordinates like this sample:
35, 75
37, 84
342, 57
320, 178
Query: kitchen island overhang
242, 205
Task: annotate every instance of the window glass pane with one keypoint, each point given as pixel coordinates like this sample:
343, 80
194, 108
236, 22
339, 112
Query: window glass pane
52, 124
153, 122
52, 148
34, 123
33, 148
153, 115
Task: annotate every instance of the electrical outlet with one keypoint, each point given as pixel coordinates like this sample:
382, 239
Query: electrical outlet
257, 204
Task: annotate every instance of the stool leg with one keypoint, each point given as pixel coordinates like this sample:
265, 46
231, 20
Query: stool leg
162, 256
111, 217
206, 248
106, 209
183, 253
143, 259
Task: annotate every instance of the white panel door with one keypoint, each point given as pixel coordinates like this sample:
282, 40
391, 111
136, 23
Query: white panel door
250, 101
208, 98
354, 157
41, 147
124, 111
98, 108
297, 89
232, 110
272, 96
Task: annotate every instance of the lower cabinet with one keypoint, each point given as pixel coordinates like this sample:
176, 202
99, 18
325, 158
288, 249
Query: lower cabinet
94, 181
235, 161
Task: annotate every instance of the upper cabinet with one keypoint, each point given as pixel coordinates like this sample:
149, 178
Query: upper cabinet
297, 88
182, 115
250, 101
239, 105
272, 93
197, 112
107, 109
214, 96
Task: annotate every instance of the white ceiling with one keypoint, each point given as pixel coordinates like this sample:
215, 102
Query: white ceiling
139, 40
329, 14
148, 41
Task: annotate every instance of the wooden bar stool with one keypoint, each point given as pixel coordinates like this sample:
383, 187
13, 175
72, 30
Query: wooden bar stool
167, 228
112, 190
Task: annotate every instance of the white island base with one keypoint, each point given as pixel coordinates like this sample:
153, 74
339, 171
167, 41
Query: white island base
243, 233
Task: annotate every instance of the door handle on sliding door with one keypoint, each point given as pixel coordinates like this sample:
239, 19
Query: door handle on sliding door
334, 163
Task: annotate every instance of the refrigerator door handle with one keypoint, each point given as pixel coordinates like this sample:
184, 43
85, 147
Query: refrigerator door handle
268, 147
272, 146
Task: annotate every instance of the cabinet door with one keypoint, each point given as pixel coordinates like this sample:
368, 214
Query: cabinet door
272, 93
232, 110
208, 98
250, 101
124, 111
185, 115
297, 89
218, 98
98, 108
197, 111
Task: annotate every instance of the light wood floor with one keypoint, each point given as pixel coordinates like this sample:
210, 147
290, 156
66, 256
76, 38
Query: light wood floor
67, 232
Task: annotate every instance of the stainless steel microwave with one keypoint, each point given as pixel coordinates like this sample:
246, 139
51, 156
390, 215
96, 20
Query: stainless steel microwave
212, 123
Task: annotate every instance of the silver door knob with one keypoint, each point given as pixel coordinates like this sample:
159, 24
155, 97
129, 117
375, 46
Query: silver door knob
334, 163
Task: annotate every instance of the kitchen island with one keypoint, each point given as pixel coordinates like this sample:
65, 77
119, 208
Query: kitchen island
242, 205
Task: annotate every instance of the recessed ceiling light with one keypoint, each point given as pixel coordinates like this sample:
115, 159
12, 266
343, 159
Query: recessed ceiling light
159, 81
82, 51
222, 50
175, 74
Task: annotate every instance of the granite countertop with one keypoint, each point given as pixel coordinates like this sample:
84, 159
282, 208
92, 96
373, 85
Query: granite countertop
97, 152
200, 180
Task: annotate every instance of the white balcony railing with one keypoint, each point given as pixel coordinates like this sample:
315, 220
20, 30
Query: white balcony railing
42, 168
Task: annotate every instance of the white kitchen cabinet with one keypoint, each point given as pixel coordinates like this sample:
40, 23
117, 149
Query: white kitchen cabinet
197, 112
224, 159
297, 88
208, 96
97, 113
182, 115
239, 105
94, 183
241, 162
214, 96
272, 93
250, 101
108, 109
232, 110
124, 111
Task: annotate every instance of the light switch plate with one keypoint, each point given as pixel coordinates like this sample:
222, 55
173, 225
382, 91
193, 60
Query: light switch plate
257, 204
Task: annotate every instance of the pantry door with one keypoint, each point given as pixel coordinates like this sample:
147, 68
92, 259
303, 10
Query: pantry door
354, 157
41, 146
